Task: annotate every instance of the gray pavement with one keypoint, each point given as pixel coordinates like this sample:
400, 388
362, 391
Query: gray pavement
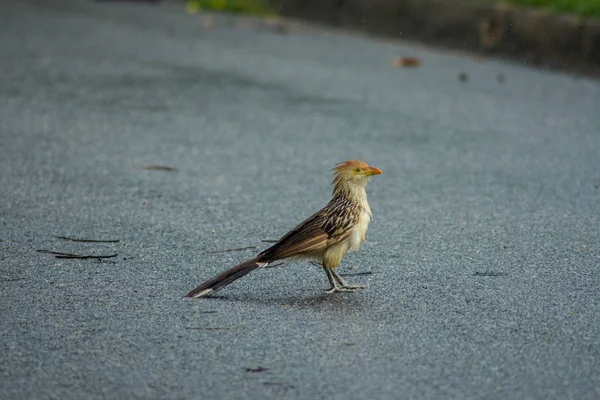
484, 249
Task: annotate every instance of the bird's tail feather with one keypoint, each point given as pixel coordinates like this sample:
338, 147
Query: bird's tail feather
227, 277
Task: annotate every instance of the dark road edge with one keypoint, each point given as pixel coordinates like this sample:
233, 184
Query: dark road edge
535, 37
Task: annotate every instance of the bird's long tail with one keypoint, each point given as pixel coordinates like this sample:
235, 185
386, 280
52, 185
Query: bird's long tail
227, 277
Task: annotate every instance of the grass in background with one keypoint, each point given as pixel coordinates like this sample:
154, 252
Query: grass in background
250, 7
585, 8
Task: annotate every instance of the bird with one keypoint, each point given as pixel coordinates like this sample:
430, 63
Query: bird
324, 237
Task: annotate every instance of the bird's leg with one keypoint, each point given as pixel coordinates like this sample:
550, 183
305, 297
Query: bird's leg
343, 283
333, 280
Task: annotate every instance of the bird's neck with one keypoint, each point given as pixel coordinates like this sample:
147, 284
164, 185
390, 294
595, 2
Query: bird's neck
355, 193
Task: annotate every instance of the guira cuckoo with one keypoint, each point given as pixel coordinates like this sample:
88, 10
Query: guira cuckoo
325, 237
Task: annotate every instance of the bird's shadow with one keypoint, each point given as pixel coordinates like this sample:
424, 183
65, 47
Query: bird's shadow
316, 301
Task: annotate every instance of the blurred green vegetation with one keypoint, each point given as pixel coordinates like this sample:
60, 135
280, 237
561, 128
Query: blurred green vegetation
585, 8
252, 7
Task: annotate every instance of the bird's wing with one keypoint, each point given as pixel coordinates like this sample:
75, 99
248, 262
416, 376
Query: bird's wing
330, 225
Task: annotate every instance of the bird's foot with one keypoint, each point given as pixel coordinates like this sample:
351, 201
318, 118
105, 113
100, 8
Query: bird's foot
341, 289
353, 287
338, 284
341, 282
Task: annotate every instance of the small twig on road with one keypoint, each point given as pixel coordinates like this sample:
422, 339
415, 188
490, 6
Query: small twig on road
269, 241
228, 250
58, 254
257, 369
88, 240
158, 168
357, 273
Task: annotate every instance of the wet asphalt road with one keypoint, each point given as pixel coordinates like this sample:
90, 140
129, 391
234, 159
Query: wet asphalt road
482, 260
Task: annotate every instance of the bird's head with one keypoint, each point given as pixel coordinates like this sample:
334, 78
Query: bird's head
352, 174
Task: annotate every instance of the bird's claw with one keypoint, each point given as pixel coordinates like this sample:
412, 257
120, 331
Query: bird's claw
339, 289
354, 287
344, 289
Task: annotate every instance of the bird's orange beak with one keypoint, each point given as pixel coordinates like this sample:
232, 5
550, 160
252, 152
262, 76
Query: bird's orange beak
374, 171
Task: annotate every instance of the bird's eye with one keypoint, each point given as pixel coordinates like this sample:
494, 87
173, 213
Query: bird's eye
357, 170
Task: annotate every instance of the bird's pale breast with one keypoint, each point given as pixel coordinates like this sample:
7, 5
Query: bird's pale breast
360, 232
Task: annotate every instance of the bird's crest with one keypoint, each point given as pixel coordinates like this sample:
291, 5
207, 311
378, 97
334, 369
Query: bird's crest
348, 165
